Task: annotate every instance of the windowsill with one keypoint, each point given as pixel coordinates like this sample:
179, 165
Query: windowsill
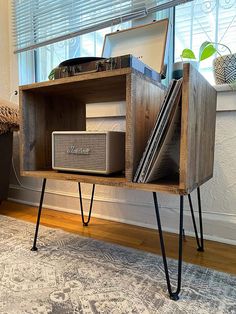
224, 88
226, 97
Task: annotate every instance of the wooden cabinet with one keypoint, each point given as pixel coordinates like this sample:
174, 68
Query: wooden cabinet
61, 105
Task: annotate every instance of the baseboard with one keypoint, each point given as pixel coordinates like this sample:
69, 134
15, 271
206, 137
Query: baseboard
217, 227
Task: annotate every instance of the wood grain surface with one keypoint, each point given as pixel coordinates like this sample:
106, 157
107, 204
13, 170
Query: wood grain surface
60, 105
143, 103
217, 255
86, 88
197, 129
117, 180
40, 115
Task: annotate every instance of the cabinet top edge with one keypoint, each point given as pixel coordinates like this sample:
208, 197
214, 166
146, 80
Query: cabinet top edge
190, 68
77, 78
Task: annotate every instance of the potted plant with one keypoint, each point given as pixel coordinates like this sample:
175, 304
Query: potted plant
224, 66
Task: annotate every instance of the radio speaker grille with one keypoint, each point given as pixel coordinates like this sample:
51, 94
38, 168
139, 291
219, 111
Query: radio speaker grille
93, 144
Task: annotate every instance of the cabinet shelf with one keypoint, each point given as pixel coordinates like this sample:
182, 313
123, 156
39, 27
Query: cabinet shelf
60, 105
165, 185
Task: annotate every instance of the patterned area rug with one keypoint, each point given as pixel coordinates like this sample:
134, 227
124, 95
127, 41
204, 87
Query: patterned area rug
72, 274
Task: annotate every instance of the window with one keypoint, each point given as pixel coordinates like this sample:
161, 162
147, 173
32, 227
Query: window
90, 44
45, 58
205, 20
41, 23
195, 22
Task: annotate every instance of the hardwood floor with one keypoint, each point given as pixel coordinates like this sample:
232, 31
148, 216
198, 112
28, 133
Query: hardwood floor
218, 256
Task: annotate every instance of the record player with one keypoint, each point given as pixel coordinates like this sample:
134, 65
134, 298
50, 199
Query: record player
79, 66
142, 48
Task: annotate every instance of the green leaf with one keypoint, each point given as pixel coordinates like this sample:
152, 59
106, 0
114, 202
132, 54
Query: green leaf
206, 50
51, 75
187, 54
203, 46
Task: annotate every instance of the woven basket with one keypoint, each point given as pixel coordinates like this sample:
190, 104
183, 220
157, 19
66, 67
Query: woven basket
225, 69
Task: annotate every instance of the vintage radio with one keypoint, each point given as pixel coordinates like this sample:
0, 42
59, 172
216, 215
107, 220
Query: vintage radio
90, 152
142, 48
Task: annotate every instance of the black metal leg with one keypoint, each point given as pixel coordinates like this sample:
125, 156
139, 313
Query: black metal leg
173, 295
34, 247
184, 237
85, 223
200, 243
200, 219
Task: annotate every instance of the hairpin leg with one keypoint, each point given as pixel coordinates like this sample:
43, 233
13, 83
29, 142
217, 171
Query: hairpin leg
34, 247
173, 295
200, 243
85, 223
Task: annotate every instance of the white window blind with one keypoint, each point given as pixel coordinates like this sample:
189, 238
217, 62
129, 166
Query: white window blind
41, 22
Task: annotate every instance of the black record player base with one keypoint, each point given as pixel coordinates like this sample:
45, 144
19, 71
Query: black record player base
83, 65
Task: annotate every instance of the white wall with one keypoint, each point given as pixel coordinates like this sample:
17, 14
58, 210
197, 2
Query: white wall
136, 207
8, 61
4, 51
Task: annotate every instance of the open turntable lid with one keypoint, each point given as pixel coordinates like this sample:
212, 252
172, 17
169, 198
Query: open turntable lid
146, 42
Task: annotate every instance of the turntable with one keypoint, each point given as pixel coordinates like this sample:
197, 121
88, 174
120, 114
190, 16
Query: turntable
142, 48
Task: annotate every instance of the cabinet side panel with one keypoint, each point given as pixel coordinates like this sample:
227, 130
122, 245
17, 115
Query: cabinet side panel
144, 98
32, 126
197, 129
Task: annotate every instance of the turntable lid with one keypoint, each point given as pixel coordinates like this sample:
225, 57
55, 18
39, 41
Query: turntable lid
147, 42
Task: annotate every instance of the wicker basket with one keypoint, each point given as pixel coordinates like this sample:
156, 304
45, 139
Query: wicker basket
225, 69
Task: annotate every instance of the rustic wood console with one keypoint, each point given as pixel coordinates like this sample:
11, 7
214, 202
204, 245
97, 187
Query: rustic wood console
61, 105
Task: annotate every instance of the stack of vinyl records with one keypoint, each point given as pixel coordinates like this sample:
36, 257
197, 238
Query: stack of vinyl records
161, 155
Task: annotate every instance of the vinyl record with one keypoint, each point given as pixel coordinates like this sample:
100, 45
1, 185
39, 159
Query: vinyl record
77, 61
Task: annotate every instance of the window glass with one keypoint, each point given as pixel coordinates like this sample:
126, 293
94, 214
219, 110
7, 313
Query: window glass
195, 22
48, 57
205, 20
